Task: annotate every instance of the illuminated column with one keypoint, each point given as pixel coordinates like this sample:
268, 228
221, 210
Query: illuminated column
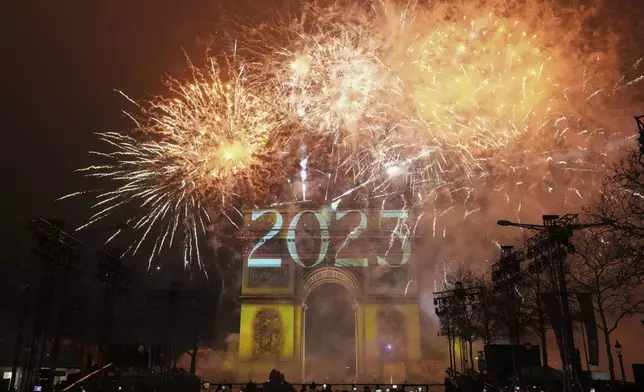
361, 342
357, 336
303, 340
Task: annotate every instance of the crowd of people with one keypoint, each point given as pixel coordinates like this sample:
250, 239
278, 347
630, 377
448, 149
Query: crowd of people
276, 383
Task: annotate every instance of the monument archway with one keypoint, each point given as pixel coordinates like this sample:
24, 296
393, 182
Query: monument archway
278, 282
316, 279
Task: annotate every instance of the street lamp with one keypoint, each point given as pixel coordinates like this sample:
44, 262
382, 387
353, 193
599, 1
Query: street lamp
618, 349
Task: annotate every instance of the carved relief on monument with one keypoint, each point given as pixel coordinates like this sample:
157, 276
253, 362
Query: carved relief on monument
268, 276
267, 332
329, 274
392, 332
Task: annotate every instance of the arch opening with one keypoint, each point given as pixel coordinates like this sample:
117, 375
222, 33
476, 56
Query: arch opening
330, 339
329, 334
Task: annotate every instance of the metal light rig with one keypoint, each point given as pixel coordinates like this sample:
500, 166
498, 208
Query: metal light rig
507, 270
115, 275
59, 251
506, 275
453, 303
549, 248
175, 303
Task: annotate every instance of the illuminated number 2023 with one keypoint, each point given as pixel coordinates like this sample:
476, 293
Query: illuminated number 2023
324, 234
272, 233
406, 245
353, 235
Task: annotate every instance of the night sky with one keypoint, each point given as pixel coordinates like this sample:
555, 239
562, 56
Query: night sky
61, 65
62, 60
65, 60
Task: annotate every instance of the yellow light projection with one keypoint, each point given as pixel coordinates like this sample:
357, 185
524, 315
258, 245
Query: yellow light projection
409, 328
458, 352
248, 331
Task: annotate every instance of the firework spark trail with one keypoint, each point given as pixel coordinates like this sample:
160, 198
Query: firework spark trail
407, 106
487, 80
457, 103
199, 144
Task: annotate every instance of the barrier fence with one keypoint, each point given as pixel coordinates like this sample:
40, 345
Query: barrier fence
330, 387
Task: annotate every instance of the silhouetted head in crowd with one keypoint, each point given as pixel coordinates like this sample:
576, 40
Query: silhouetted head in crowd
250, 387
274, 376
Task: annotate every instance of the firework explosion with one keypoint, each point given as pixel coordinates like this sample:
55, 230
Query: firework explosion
197, 149
428, 107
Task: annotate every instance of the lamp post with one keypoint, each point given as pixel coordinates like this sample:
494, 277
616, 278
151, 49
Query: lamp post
618, 349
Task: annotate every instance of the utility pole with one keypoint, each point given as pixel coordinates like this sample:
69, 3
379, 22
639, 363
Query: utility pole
59, 251
549, 248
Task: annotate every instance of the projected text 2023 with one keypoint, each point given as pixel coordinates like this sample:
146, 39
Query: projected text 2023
338, 237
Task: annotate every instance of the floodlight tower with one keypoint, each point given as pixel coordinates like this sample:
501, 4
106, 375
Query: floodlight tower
507, 271
506, 275
175, 303
550, 247
450, 304
115, 275
59, 251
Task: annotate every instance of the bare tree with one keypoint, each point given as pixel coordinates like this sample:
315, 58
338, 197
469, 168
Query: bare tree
613, 278
534, 284
620, 203
460, 314
474, 312
485, 312
613, 257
